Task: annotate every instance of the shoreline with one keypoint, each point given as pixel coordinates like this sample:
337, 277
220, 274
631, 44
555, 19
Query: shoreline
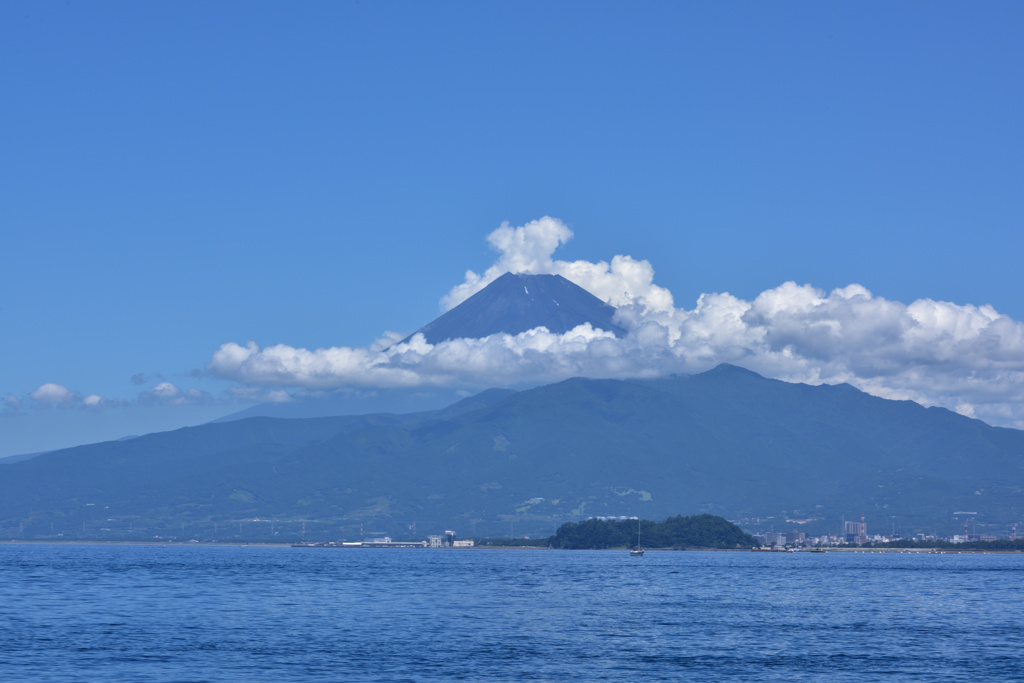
289, 544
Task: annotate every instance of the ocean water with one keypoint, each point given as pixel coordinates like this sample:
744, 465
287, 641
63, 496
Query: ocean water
196, 613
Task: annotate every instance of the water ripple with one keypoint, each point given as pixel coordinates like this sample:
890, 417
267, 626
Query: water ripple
220, 614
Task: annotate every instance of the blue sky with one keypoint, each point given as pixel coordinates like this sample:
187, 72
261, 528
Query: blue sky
181, 176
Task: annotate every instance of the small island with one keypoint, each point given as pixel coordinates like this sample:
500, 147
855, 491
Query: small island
679, 532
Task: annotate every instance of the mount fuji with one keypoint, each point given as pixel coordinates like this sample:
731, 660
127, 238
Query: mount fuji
512, 304
517, 302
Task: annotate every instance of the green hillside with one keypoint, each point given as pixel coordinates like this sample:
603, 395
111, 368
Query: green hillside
696, 531
727, 442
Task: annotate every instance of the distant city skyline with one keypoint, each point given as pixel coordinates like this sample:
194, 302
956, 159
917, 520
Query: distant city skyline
817, 193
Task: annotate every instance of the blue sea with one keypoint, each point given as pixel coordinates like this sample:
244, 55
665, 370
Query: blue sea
201, 613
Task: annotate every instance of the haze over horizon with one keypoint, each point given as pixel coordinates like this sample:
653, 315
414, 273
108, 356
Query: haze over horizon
206, 208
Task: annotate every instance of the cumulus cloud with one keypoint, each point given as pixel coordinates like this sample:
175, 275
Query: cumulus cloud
53, 393
166, 393
964, 357
322, 368
253, 394
163, 393
93, 401
529, 248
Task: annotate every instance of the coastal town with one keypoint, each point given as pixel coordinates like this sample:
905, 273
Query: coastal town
855, 533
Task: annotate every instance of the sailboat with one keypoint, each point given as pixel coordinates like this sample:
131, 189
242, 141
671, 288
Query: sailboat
637, 551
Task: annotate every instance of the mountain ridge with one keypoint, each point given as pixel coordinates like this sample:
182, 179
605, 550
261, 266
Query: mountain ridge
726, 442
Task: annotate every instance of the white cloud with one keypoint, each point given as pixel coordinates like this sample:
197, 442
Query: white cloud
253, 394
166, 393
282, 365
967, 358
529, 248
53, 393
93, 401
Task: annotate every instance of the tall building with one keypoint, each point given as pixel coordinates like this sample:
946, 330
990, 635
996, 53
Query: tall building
856, 532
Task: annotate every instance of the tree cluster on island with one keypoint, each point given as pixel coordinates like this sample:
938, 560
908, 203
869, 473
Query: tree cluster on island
696, 531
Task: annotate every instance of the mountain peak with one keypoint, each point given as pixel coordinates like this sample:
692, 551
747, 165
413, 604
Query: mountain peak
517, 302
728, 369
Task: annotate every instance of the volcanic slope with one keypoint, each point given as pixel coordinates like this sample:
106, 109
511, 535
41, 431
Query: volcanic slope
517, 302
726, 442
512, 304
